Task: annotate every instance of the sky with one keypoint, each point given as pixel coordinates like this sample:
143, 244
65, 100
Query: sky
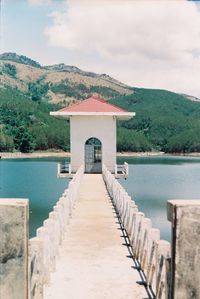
144, 43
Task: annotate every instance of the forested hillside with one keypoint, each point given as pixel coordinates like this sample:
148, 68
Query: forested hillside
164, 121
27, 126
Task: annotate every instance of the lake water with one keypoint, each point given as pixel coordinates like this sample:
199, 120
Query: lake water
35, 179
152, 181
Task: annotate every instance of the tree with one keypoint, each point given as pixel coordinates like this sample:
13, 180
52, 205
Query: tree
24, 140
6, 142
37, 90
10, 69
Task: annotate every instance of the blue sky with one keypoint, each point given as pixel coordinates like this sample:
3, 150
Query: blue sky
144, 43
22, 30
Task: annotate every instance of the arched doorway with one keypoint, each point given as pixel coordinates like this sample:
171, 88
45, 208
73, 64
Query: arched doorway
93, 155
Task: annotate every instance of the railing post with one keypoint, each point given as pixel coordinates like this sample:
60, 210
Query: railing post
14, 248
151, 254
153, 238
44, 248
115, 170
70, 168
126, 169
185, 218
162, 257
58, 169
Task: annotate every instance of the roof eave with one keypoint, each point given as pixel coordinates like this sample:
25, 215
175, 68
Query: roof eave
118, 115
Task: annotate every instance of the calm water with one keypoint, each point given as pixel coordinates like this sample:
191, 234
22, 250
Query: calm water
34, 179
152, 181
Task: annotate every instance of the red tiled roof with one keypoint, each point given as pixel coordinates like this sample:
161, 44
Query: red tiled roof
93, 104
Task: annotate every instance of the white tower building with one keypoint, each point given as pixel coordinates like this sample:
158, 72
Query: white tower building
93, 133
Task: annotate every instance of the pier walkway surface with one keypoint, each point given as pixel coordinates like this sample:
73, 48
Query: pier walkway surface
94, 262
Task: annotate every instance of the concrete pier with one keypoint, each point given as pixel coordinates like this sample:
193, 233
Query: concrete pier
13, 248
185, 218
93, 261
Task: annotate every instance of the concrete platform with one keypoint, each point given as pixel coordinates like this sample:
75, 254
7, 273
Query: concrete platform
93, 262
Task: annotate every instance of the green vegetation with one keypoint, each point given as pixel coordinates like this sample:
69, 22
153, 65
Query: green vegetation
26, 125
81, 91
19, 59
104, 90
132, 141
67, 89
38, 90
9, 69
164, 121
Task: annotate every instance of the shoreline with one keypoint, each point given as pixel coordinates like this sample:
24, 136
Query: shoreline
61, 154
39, 154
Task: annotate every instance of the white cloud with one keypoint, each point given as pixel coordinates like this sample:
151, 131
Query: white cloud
144, 43
44, 2
39, 2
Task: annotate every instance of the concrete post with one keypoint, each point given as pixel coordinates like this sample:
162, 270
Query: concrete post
14, 248
142, 254
162, 256
153, 238
185, 218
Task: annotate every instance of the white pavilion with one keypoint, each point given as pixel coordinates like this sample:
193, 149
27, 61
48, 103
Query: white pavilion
93, 133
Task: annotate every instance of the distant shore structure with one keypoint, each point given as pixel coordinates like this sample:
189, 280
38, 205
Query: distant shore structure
93, 133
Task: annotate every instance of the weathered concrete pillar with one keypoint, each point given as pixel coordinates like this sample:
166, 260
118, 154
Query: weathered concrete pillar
36, 269
185, 218
14, 248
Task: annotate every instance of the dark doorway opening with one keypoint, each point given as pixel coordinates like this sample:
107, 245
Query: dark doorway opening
93, 155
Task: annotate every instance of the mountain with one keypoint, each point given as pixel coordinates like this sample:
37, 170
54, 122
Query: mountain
191, 98
61, 67
19, 58
164, 120
58, 83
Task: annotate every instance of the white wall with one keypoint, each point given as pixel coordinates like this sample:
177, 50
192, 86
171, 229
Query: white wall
84, 127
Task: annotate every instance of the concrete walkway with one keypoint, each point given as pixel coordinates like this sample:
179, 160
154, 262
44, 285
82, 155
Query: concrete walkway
93, 262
